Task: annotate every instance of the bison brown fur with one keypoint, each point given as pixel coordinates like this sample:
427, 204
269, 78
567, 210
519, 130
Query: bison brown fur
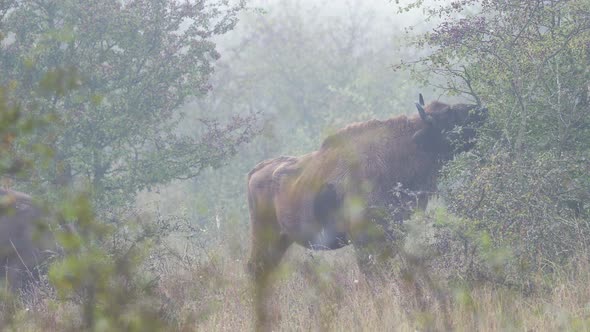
26, 241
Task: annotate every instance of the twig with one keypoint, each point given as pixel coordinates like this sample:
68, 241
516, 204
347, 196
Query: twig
21, 259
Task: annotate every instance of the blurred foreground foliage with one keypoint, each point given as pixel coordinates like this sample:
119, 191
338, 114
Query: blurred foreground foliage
100, 286
89, 98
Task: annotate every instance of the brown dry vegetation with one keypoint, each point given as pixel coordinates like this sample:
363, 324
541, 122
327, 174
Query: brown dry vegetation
206, 288
326, 291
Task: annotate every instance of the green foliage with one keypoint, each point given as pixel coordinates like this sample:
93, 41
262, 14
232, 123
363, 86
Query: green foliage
16, 122
136, 63
108, 283
526, 185
105, 284
88, 99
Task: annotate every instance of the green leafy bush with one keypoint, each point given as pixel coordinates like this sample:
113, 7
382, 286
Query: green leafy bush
524, 189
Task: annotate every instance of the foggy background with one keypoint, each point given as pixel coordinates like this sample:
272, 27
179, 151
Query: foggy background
308, 68
133, 125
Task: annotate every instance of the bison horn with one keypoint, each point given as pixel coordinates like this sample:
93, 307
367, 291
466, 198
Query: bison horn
421, 99
425, 117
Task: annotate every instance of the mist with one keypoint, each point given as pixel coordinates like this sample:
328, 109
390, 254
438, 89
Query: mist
294, 165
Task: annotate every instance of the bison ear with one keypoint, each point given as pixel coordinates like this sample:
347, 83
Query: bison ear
421, 99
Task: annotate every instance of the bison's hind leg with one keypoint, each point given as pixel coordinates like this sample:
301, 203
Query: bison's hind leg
268, 247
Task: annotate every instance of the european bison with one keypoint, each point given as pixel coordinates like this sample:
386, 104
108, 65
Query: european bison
332, 197
25, 240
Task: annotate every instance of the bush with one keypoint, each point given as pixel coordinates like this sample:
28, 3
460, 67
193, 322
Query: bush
524, 189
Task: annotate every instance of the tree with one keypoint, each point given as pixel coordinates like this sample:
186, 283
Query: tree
100, 284
527, 185
138, 62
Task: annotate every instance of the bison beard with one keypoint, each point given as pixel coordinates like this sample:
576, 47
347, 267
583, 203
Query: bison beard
336, 195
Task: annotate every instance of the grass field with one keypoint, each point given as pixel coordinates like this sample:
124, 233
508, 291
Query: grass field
325, 291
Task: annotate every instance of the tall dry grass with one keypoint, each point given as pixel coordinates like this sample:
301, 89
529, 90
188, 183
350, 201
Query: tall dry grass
326, 292
206, 288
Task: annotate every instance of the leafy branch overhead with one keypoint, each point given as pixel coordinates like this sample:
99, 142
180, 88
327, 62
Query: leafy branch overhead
138, 63
526, 59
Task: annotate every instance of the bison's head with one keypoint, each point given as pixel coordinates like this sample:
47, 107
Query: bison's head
448, 128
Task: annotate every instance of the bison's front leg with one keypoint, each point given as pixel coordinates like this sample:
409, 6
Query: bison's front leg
375, 246
374, 249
